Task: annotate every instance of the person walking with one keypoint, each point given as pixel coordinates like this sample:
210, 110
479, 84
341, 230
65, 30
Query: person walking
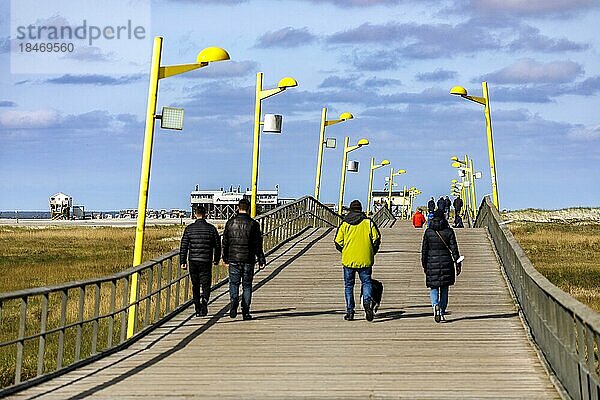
242, 248
439, 252
441, 203
431, 205
418, 219
447, 205
458, 205
200, 248
358, 240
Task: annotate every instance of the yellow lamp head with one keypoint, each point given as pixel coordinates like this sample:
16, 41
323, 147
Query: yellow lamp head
402, 171
385, 162
459, 91
212, 54
456, 164
363, 142
454, 158
346, 116
287, 82
454, 181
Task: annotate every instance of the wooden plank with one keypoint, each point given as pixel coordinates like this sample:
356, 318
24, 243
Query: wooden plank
298, 345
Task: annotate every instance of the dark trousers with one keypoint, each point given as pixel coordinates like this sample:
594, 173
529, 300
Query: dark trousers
241, 272
201, 276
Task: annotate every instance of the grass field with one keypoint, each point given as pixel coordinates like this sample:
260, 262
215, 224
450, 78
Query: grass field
32, 257
567, 254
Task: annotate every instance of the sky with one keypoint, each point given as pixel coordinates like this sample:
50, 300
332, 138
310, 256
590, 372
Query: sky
73, 121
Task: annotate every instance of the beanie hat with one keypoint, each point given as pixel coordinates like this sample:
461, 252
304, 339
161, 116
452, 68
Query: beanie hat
355, 206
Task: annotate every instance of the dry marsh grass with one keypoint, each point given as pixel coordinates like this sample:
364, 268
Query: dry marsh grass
568, 255
33, 257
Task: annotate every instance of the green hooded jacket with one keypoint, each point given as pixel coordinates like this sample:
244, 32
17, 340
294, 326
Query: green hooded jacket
358, 239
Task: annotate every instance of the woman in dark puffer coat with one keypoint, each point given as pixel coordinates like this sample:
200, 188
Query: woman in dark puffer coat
438, 263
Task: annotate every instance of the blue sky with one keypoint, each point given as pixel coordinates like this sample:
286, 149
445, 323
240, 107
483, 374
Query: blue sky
389, 62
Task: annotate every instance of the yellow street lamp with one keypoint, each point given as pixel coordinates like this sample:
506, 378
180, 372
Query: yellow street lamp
347, 149
466, 165
373, 168
324, 122
391, 184
485, 101
262, 94
157, 72
413, 193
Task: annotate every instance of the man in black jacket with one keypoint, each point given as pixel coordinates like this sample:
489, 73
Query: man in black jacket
242, 248
200, 244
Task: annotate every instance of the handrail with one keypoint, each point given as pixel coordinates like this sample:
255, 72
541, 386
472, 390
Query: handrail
566, 331
383, 217
47, 330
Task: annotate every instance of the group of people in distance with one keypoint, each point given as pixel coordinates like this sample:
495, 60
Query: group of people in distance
357, 238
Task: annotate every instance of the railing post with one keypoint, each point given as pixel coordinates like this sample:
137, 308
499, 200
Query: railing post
64, 295
21, 343
80, 311
42, 344
95, 324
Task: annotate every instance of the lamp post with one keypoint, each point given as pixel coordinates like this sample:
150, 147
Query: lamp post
466, 165
157, 72
391, 184
373, 168
262, 94
485, 101
347, 149
413, 193
324, 122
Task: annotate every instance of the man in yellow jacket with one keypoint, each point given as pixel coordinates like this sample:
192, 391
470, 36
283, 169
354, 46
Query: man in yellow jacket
358, 240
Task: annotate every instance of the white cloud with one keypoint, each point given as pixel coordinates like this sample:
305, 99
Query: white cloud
21, 119
585, 132
528, 70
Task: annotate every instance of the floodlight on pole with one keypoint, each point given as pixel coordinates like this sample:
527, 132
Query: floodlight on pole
262, 94
347, 149
328, 143
373, 168
157, 72
485, 101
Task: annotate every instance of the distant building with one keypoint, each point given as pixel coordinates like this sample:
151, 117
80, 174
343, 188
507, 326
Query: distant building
220, 204
400, 201
60, 206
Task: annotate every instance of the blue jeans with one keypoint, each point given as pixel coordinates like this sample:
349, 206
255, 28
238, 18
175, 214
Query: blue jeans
349, 277
439, 296
244, 273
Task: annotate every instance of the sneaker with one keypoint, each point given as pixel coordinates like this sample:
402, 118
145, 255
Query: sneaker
436, 313
368, 311
203, 309
247, 317
443, 318
349, 316
233, 310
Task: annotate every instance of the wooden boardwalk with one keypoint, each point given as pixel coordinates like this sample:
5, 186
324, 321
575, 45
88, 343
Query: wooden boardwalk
299, 346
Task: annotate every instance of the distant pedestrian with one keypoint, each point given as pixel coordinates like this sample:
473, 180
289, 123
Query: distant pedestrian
430, 205
447, 205
458, 205
438, 254
242, 248
441, 204
358, 240
200, 249
418, 220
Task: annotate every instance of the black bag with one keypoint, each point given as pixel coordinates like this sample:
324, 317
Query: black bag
376, 293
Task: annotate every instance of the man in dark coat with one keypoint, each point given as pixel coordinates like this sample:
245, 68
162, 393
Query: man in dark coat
438, 253
430, 206
458, 205
242, 248
447, 205
201, 245
441, 203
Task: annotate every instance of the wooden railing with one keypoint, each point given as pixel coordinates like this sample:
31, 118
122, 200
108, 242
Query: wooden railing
48, 330
383, 218
566, 331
